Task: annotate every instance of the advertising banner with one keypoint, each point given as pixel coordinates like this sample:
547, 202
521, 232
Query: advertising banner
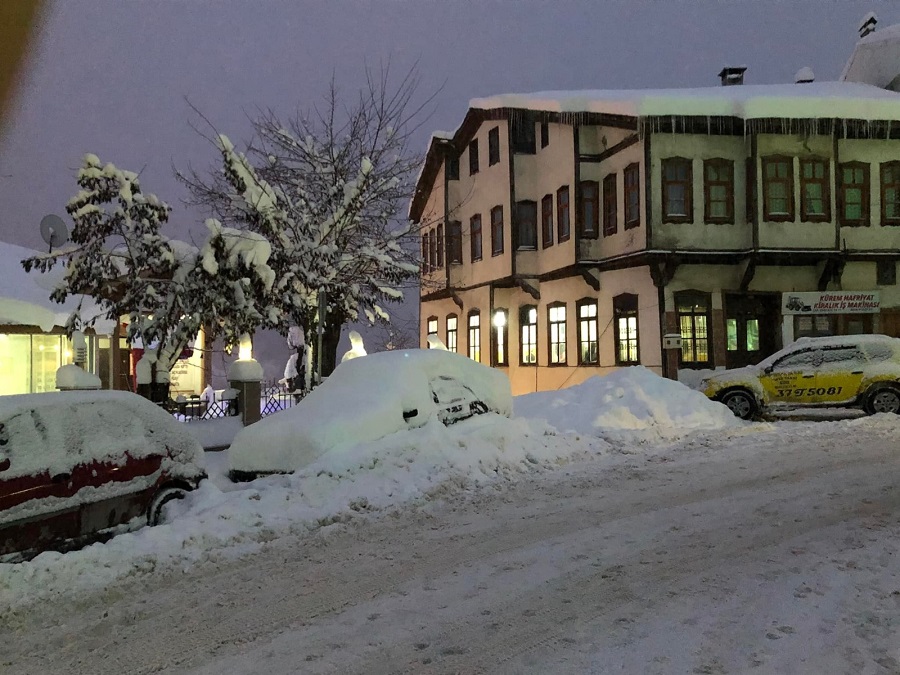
831, 302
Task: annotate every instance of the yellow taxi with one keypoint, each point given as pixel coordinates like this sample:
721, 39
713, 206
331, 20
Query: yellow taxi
852, 371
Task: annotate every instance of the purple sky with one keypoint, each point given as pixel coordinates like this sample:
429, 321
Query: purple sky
111, 76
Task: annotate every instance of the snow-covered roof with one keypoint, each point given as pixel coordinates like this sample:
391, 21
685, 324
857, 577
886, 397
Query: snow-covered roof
876, 58
25, 297
847, 100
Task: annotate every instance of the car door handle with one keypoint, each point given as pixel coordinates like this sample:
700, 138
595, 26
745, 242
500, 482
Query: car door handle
806, 377
62, 478
856, 372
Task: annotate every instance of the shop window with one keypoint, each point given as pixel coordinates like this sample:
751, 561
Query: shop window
751, 335
694, 311
452, 328
590, 209
890, 193
497, 230
475, 335
556, 328
454, 242
528, 335
632, 196
475, 236
46, 358
815, 195
718, 191
886, 273
625, 316
587, 332
547, 221
526, 219
819, 325
432, 328
677, 190
500, 335
15, 363
610, 203
494, 146
854, 193
473, 157
778, 188
562, 214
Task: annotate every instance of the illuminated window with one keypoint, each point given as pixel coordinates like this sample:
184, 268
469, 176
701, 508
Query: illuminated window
432, 327
556, 327
625, 315
475, 335
587, 332
452, 328
528, 335
693, 310
500, 335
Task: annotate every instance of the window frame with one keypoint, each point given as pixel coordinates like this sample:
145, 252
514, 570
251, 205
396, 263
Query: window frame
531, 346
454, 243
561, 329
632, 189
473, 157
452, 345
894, 166
865, 197
886, 273
526, 207
439, 240
498, 335
545, 135
718, 164
610, 205
788, 181
825, 182
692, 296
475, 242
428, 324
625, 306
547, 221
425, 252
523, 135
687, 183
453, 168
497, 230
589, 198
473, 346
563, 208
585, 323
494, 146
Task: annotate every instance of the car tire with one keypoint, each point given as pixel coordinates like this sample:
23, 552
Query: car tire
160, 499
882, 399
741, 402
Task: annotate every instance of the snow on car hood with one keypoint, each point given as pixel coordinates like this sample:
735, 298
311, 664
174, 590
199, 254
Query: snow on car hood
363, 400
57, 431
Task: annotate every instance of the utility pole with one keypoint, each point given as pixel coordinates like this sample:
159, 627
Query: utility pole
320, 331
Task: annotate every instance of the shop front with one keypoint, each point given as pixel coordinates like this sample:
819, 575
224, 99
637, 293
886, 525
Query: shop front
815, 314
29, 360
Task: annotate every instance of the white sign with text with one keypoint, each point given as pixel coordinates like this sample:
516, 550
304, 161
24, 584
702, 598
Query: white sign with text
831, 302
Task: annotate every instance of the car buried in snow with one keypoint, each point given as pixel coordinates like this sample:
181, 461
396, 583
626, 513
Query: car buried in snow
366, 399
852, 371
81, 466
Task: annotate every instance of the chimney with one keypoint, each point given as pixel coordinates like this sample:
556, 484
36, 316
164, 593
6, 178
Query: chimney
868, 24
804, 76
732, 75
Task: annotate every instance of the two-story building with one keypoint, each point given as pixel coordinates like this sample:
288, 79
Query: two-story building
566, 233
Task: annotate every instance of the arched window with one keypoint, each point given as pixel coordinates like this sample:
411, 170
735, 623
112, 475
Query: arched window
475, 335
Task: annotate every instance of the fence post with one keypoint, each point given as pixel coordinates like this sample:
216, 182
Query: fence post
245, 375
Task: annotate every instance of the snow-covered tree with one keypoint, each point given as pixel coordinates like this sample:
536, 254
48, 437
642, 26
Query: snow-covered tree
168, 289
327, 190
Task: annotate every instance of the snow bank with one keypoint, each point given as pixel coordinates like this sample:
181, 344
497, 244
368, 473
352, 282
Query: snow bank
75, 377
629, 399
363, 400
422, 464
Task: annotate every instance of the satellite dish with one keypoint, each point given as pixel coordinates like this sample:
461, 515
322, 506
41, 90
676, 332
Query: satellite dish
54, 231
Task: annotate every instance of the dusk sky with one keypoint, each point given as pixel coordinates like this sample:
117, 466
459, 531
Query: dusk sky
113, 77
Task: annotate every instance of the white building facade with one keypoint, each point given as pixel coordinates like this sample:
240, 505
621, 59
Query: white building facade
567, 233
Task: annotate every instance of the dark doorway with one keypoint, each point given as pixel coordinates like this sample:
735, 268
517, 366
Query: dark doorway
751, 328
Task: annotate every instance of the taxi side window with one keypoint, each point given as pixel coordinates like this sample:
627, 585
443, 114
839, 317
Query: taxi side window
842, 357
799, 360
878, 353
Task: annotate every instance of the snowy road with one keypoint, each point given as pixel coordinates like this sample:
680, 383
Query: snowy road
771, 549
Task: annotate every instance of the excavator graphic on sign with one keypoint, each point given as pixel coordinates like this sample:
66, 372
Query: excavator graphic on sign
795, 304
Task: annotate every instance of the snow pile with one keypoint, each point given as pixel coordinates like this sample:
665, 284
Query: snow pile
75, 377
363, 400
421, 464
628, 400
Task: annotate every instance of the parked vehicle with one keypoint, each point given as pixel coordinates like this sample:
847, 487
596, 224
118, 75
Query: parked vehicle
81, 466
852, 371
365, 399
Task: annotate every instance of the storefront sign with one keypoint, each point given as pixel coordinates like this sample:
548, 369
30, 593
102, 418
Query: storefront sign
831, 302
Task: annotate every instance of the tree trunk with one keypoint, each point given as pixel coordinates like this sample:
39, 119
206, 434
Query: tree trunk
330, 340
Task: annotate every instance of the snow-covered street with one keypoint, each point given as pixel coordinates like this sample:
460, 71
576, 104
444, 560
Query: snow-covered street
768, 548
